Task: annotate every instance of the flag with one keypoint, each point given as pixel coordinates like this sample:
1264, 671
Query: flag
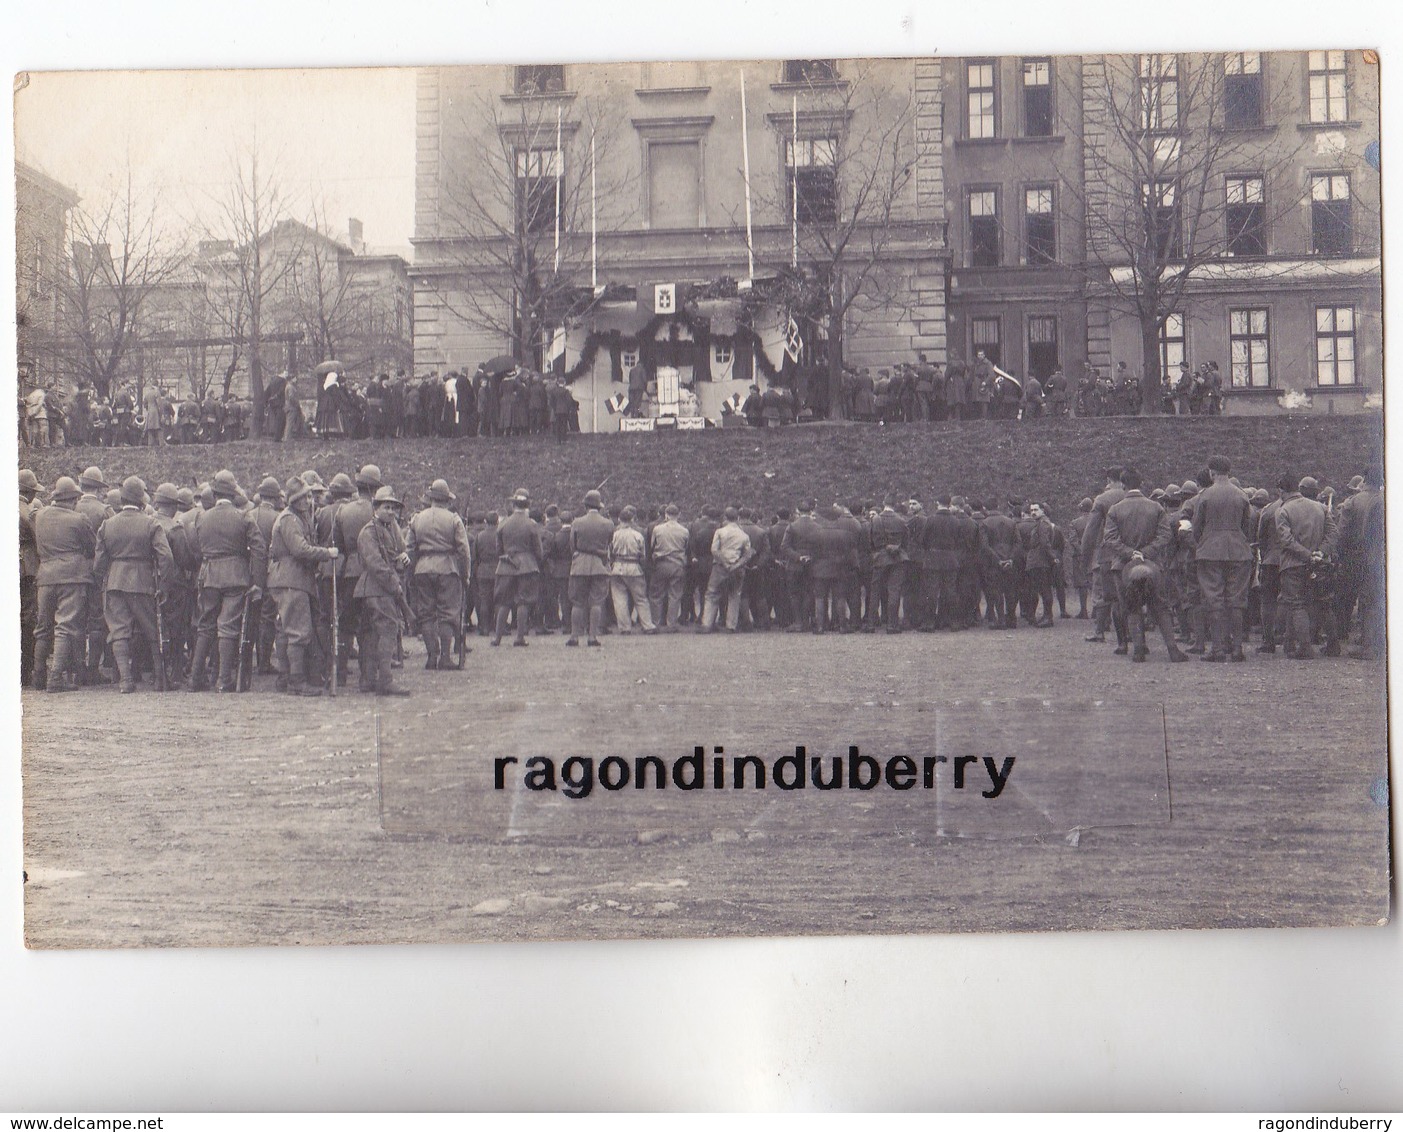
617, 402
555, 352
1009, 377
732, 404
793, 343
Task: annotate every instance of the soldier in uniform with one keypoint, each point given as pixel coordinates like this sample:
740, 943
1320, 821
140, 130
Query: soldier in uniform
1080, 579
1223, 552
437, 544
628, 584
484, 544
133, 562
269, 507
29, 488
556, 574
177, 596
730, 551
94, 507
1037, 534
1307, 536
1139, 529
380, 556
293, 557
517, 583
234, 567
797, 550
1096, 559
324, 528
1268, 548
1004, 557
667, 550
590, 537
351, 518
66, 543
890, 558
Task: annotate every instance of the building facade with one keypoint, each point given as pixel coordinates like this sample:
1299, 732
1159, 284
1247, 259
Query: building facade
42, 206
1052, 212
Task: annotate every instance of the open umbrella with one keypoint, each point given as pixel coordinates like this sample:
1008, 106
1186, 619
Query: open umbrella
329, 366
502, 363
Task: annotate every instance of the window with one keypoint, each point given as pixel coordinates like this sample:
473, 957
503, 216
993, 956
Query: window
1334, 346
537, 174
723, 352
1242, 90
1246, 215
1247, 343
628, 358
673, 76
811, 171
1331, 228
674, 184
1171, 347
986, 336
1159, 92
1039, 225
983, 228
1037, 98
810, 70
539, 79
979, 82
1042, 346
1162, 227
1328, 96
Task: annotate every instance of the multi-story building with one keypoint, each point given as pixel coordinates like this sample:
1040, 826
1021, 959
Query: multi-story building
41, 264
1053, 212
631, 214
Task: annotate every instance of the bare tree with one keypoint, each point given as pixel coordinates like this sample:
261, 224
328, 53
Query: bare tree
519, 229
851, 152
260, 254
121, 255
321, 294
1174, 179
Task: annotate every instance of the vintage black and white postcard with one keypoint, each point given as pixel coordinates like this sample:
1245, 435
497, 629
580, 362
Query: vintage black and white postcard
774, 497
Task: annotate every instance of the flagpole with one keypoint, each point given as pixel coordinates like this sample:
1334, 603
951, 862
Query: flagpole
593, 224
745, 146
557, 188
794, 177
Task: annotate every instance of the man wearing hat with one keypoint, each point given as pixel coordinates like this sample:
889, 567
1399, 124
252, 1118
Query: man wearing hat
270, 502
1078, 576
628, 586
518, 578
1307, 535
132, 561
1096, 559
1268, 548
292, 561
234, 569
351, 518
437, 544
93, 506
177, 596
29, 488
324, 526
590, 537
380, 551
66, 543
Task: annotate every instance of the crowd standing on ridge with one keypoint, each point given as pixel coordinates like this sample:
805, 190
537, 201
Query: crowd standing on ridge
212, 587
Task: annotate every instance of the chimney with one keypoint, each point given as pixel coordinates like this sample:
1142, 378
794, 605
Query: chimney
357, 235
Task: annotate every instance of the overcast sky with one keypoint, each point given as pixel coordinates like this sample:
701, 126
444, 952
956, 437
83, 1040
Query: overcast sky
343, 138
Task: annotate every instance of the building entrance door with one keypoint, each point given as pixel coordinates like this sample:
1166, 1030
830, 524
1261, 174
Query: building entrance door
1042, 346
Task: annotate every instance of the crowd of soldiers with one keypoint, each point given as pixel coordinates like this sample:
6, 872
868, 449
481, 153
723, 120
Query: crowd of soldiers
207, 588
126, 418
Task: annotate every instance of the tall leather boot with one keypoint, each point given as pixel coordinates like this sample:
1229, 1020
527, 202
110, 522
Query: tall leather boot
1217, 631
1198, 619
577, 625
523, 619
384, 660
285, 666
93, 674
500, 628
1236, 621
296, 673
432, 648
58, 675
122, 654
1300, 623
1136, 628
42, 651
199, 664
446, 637
596, 623
228, 664
267, 637
1166, 630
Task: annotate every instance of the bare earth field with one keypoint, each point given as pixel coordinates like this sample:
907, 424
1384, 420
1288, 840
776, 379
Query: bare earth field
220, 820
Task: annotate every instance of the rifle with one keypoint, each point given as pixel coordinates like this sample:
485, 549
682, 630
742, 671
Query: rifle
243, 674
335, 629
161, 679
460, 642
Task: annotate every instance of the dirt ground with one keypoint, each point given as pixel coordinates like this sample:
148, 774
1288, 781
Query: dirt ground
219, 820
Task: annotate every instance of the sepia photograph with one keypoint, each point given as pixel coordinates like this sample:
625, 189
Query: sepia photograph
449, 473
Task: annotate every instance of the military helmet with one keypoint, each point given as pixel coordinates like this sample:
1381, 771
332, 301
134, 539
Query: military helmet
386, 494
225, 484
133, 491
169, 493
91, 479
369, 476
438, 492
341, 485
66, 489
269, 488
28, 481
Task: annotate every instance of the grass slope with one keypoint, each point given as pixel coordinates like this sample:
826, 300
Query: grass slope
1057, 461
